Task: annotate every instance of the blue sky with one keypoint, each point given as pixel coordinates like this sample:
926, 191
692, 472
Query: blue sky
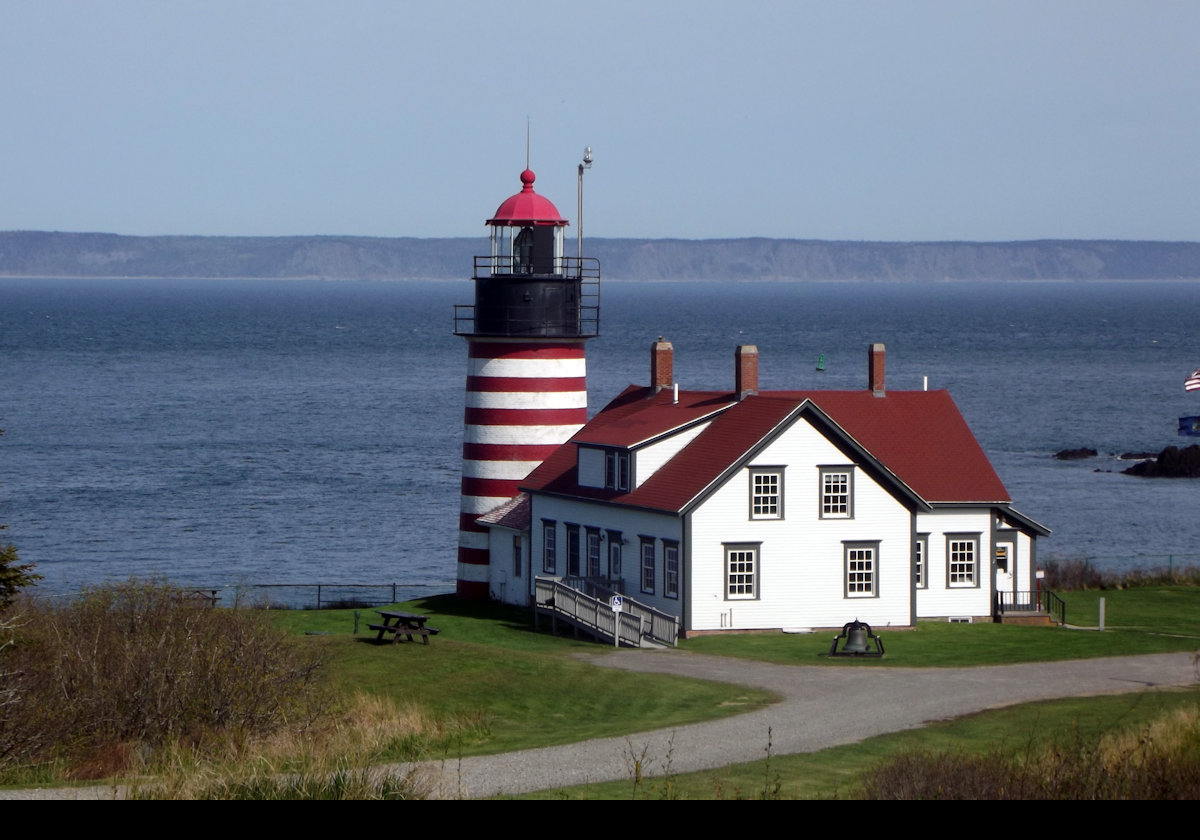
829, 120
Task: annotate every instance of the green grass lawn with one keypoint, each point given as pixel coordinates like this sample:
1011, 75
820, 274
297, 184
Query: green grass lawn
500, 686
493, 684
1139, 620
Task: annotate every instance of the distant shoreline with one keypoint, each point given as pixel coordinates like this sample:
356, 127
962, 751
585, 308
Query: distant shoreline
33, 254
617, 280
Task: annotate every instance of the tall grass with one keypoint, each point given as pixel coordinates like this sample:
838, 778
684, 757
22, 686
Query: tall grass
341, 778
1076, 574
1158, 761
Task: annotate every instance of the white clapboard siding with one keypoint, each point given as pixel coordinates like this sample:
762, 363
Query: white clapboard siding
939, 598
802, 574
654, 455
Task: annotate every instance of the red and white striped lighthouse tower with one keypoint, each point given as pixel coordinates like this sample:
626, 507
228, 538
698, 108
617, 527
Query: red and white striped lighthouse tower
526, 372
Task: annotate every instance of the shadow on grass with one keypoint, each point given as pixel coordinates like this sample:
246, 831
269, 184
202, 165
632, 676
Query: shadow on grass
517, 619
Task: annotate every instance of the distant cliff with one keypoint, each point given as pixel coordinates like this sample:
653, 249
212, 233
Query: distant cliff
34, 253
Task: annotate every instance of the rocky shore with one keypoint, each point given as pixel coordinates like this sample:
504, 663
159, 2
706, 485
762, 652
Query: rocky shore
1172, 462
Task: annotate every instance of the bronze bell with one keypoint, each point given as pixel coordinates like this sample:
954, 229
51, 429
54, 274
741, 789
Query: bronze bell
856, 638
856, 641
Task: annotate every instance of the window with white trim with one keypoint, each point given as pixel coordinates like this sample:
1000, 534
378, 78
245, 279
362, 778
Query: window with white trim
593, 552
962, 560
837, 492
741, 572
920, 561
862, 571
572, 550
516, 556
549, 546
648, 565
670, 569
766, 493
616, 470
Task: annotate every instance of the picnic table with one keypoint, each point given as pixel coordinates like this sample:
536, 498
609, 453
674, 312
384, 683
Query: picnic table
403, 624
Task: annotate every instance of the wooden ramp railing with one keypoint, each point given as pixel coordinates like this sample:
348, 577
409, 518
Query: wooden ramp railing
586, 607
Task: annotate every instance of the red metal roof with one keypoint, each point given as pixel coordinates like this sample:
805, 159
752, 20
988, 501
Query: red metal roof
920, 437
527, 207
639, 415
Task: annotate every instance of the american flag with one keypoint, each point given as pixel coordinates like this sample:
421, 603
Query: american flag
1192, 383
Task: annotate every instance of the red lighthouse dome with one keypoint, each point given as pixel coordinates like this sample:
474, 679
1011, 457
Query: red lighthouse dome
527, 207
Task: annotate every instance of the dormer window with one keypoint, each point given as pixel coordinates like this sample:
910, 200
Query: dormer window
616, 470
606, 467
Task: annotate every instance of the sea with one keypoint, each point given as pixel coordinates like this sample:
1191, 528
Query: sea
224, 433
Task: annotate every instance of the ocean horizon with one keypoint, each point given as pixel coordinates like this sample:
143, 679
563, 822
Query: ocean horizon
297, 431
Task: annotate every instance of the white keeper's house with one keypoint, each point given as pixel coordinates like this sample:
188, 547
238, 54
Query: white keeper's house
748, 509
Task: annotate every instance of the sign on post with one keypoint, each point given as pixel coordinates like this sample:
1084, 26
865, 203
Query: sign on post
615, 602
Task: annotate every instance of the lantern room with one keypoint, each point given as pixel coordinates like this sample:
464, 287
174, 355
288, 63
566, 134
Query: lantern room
527, 233
527, 287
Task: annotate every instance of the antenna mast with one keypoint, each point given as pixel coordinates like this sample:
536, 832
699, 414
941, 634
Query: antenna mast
585, 164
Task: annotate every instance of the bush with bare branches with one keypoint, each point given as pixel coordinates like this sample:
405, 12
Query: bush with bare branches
134, 666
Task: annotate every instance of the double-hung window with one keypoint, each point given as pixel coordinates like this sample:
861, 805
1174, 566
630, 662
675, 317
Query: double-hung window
670, 568
593, 552
837, 492
766, 493
741, 572
862, 569
921, 561
549, 547
962, 560
616, 470
648, 565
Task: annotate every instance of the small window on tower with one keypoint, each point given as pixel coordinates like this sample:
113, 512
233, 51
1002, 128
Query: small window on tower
523, 252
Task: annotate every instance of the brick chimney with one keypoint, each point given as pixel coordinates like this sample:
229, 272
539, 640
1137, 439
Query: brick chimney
662, 362
745, 370
876, 354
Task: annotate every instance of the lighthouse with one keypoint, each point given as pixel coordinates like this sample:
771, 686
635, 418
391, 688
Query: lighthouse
526, 389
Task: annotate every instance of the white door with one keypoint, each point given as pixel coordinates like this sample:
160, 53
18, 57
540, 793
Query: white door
1003, 569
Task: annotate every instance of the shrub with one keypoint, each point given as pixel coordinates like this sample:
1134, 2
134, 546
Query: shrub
127, 668
14, 576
